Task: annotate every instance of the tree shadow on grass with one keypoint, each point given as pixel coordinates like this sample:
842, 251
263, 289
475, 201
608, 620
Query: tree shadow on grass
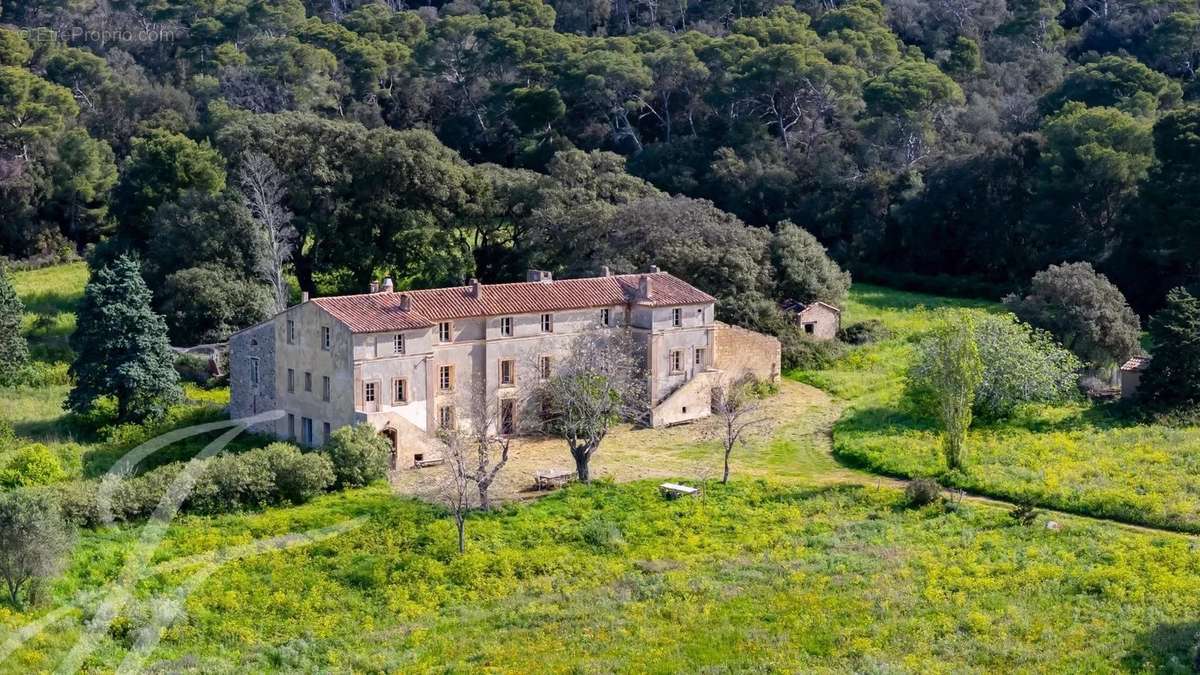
51, 302
1165, 648
883, 298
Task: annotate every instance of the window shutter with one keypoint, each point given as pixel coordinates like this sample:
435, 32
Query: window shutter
358, 395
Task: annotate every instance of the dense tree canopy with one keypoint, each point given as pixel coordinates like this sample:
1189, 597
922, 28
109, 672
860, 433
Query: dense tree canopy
977, 138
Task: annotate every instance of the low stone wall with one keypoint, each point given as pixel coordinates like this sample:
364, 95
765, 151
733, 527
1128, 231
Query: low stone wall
742, 351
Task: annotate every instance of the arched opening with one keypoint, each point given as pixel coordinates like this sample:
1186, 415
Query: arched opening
393, 438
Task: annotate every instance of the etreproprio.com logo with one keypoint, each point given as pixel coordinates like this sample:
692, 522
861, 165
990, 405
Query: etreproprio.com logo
101, 36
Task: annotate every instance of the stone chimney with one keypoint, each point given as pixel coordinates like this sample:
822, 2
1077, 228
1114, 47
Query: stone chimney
388, 286
645, 288
476, 289
303, 297
654, 269
605, 272
374, 287
540, 276
405, 302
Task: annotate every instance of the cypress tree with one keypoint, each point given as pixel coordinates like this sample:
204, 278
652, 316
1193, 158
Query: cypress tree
14, 352
121, 347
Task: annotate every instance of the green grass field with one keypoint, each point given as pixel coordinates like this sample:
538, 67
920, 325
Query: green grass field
799, 573
1081, 458
615, 579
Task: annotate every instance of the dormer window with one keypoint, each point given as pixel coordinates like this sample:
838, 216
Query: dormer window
677, 317
506, 326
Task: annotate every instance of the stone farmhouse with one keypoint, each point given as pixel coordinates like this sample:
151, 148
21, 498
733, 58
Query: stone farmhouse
403, 362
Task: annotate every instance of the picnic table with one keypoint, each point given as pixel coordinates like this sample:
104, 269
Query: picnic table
675, 490
546, 479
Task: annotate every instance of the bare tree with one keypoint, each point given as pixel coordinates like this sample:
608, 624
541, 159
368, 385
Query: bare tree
454, 489
264, 195
599, 384
738, 410
487, 439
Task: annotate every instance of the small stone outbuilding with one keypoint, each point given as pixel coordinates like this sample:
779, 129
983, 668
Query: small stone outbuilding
1131, 375
820, 320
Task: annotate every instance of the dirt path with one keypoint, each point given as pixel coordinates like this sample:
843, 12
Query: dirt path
795, 446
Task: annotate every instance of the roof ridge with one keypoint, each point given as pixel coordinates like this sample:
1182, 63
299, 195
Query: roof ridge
495, 285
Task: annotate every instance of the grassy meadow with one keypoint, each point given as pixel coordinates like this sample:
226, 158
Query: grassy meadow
612, 578
1079, 457
799, 565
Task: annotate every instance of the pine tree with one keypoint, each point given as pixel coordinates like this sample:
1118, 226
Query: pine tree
121, 347
1173, 378
14, 352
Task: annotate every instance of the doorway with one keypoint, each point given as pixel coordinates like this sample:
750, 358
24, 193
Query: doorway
393, 438
508, 417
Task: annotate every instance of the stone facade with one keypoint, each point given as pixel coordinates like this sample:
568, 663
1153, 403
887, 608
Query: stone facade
741, 351
327, 364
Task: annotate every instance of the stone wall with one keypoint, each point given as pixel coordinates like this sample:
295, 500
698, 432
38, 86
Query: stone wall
741, 351
247, 397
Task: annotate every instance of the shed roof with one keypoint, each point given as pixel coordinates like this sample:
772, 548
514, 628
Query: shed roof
1136, 364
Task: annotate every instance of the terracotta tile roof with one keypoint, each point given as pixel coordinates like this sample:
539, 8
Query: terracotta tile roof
375, 312
1136, 363
796, 306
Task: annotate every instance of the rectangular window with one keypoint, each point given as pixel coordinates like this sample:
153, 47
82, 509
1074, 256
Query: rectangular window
605, 316
369, 392
253, 371
446, 378
326, 338
506, 326
308, 382
306, 431
677, 317
700, 356
399, 391
291, 380
324, 388
325, 432
547, 323
508, 372
444, 332
810, 328
291, 426
398, 344
291, 332
446, 417
544, 367
677, 361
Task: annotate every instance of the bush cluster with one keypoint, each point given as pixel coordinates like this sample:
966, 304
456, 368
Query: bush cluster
359, 454
805, 353
31, 466
278, 473
864, 332
922, 492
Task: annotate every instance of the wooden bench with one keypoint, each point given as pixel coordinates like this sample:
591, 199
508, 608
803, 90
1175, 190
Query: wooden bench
426, 463
548, 479
675, 490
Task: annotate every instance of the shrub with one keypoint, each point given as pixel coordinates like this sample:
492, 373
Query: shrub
1024, 513
922, 492
192, 368
232, 482
807, 354
298, 476
359, 455
603, 534
30, 466
864, 332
